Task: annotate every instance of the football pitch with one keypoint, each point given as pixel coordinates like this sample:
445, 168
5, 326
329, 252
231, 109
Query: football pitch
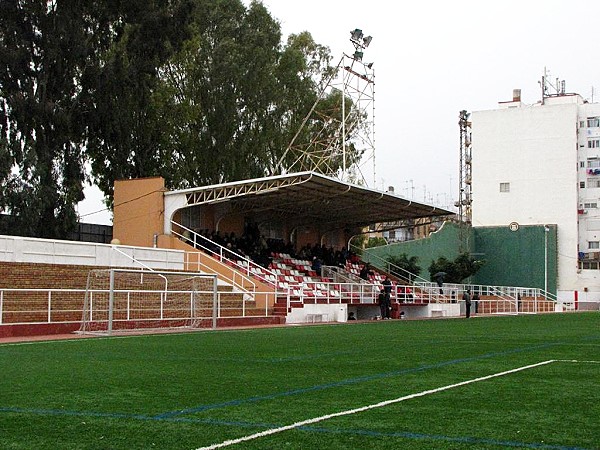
485, 383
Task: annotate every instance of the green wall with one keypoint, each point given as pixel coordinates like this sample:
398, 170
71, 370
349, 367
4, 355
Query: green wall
516, 258
444, 242
512, 258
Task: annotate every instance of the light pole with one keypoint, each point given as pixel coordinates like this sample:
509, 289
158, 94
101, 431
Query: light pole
546, 230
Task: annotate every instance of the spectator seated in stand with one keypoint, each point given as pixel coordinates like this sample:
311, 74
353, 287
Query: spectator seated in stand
365, 272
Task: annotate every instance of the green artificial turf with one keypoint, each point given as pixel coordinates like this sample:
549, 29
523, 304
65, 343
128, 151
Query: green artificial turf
191, 390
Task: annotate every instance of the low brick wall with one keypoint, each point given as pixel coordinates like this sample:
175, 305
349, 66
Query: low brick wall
43, 276
28, 313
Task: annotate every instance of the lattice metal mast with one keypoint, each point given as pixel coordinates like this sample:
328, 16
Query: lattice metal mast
345, 132
465, 199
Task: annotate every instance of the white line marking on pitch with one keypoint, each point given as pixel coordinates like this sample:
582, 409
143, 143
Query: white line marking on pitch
577, 361
366, 408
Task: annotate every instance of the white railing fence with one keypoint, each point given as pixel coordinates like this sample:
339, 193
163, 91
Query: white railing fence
30, 306
388, 267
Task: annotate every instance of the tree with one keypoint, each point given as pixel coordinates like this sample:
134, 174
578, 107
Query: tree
235, 97
195, 91
221, 106
52, 57
125, 123
220, 96
44, 47
375, 242
404, 267
224, 107
358, 243
463, 267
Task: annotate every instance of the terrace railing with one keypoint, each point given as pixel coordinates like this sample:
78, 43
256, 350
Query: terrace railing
241, 278
52, 306
388, 267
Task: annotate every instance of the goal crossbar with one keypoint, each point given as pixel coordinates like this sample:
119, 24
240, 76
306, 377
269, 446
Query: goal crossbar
134, 299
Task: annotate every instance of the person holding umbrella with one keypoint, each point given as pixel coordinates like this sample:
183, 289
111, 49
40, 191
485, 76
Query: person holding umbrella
439, 278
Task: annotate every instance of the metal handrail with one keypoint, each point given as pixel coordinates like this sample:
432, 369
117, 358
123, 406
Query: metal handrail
507, 293
195, 239
208, 269
388, 266
141, 264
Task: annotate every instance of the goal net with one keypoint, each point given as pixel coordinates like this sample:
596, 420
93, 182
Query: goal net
119, 300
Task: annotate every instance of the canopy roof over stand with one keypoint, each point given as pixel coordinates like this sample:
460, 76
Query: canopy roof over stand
302, 199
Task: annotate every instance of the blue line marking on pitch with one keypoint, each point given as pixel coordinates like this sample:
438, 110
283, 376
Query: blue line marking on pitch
437, 437
405, 434
276, 359
92, 414
320, 387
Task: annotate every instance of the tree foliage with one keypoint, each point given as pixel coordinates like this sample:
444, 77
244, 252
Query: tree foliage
222, 107
463, 267
195, 91
375, 242
125, 124
52, 57
404, 266
44, 47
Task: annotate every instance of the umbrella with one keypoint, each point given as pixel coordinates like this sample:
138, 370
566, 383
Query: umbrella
440, 275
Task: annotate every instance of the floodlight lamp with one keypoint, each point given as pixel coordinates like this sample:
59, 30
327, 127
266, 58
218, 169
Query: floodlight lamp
367, 41
356, 35
358, 55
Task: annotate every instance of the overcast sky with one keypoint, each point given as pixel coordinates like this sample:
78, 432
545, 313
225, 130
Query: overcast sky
435, 58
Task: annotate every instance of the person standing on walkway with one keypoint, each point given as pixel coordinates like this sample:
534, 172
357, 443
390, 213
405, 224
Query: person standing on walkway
476, 301
387, 287
467, 298
384, 304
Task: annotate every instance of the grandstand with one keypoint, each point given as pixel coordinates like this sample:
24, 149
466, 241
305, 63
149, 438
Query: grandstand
43, 286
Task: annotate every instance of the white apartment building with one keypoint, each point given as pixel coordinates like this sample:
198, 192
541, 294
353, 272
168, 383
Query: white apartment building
540, 164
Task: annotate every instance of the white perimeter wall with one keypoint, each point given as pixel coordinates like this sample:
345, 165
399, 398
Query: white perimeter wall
534, 148
32, 250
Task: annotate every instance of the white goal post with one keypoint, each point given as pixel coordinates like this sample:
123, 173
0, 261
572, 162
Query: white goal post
118, 300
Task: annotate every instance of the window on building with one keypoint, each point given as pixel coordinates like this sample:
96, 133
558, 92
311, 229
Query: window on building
504, 187
593, 182
593, 163
582, 164
591, 205
593, 122
593, 245
582, 185
581, 123
593, 143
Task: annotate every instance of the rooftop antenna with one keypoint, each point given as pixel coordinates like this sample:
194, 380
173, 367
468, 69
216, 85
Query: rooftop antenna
559, 88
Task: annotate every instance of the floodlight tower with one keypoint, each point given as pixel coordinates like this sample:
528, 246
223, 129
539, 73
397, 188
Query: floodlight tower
344, 145
465, 199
